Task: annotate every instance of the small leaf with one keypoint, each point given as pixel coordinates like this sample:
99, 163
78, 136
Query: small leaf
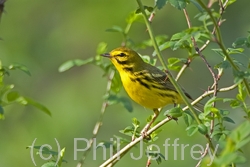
179, 4
198, 6
174, 112
188, 118
106, 144
160, 3
136, 122
101, 48
235, 51
235, 103
26, 100
126, 102
202, 129
239, 42
12, 96
133, 17
20, 67
227, 119
115, 29
191, 130
76, 62
61, 155
112, 99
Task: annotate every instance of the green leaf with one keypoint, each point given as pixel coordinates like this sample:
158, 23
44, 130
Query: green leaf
106, 144
179, 4
12, 96
174, 112
241, 135
191, 130
126, 102
164, 46
219, 52
188, 118
28, 101
240, 75
227, 119
115, 29
20, 67
122, 140
112, 99
239, 42
128, 129
76, 62
61, 155
235, 103
133, 17
235, 51
136, 122
160, 3
202, 129
197, 5
101, 48
230, 2
224, 65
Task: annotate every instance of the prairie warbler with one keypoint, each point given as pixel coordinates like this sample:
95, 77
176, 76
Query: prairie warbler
145, 84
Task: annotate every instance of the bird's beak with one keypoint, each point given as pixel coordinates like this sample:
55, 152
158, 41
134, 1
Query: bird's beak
106, 55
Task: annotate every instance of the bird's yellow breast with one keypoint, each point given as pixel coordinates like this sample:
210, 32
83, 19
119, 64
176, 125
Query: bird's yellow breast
144, 94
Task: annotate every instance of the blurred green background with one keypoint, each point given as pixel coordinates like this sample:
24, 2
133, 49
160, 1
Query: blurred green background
44, 34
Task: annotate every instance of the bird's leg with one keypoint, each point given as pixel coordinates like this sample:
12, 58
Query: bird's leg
145, 129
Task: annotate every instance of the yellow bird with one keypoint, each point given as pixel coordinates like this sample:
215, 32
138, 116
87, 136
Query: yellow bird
145, 84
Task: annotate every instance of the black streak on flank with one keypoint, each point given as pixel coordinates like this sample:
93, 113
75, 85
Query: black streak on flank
132, 79
167, 95
142, 83
158, 87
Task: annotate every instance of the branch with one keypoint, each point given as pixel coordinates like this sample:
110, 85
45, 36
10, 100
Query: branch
99, 122
207, 93
221, 45
132, 143
156, 47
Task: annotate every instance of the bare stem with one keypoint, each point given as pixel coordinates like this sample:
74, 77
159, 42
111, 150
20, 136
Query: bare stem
99, 122
156, 47
134, 142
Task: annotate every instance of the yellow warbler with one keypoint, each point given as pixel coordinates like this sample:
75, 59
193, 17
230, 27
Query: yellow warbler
144, 83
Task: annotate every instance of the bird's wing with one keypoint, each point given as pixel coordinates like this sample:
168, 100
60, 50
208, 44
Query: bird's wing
162, 78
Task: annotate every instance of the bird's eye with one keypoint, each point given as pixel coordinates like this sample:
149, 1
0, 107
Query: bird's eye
121, 54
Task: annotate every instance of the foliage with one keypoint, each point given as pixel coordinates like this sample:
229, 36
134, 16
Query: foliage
222, 141
210, 122
9, 96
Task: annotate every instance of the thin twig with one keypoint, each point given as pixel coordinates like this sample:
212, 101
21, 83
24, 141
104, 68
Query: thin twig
219, 41
203, 155
183, 69
99, 122
148, 161
218, 23
207, 93
209, 68
134, 142
159, 54
125, 149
